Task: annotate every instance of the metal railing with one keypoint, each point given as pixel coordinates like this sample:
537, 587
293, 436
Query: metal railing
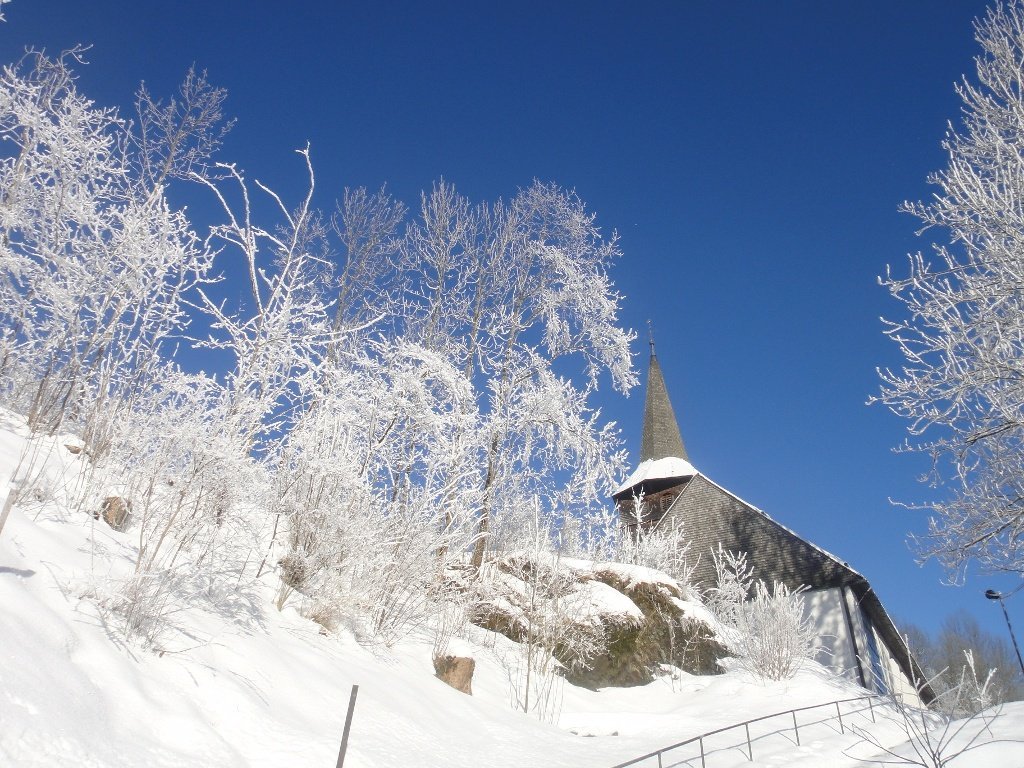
699, 740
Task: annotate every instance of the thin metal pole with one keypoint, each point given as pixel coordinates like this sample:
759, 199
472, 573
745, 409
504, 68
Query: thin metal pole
840, 713
750, 747
659, 761
1012, 636
348, 726
872, 708
702, 764
796, 730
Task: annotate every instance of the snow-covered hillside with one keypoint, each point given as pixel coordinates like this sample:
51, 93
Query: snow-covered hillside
232, 681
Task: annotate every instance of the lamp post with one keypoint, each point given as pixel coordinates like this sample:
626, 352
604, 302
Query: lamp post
992, 594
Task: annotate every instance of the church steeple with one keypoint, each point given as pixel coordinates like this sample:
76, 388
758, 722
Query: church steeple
664, 468
661, 437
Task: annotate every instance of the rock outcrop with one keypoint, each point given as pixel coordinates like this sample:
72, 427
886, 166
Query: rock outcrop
609, 624
115, 511
456, 671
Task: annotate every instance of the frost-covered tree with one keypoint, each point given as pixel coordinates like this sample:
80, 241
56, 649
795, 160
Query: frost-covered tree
943, 661
367, 228
513, 293
351, 424
176, 138
962, 334
94, 262
375, 484
276, 337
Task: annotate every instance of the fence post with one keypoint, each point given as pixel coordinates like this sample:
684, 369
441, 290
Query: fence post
12, 496
702, 765
796, 730
872, 708
839, 712
750, 747
659, 760
348, 726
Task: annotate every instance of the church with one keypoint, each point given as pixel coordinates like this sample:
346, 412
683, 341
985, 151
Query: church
858, 638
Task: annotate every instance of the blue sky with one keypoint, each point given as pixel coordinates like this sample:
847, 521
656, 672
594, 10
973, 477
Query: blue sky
751, 155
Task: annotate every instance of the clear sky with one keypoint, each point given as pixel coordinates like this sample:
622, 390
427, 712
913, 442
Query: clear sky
751, 155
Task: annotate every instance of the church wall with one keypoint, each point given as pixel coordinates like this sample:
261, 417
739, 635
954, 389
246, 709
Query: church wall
839, 653
899, 685
895, 663
824, 608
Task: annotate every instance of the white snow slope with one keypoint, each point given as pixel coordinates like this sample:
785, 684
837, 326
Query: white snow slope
238, 683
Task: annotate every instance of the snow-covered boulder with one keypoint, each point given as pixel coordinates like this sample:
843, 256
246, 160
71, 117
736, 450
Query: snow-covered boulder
610, 624
676, 629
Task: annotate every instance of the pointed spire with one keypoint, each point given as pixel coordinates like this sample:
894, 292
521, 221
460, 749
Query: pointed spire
661, 437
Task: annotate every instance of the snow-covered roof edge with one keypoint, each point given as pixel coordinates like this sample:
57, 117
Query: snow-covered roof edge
657, 469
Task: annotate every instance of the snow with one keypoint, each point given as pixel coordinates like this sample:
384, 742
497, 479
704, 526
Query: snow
629, 578
592, 602
635, 576
658, 469
626, 575
599, 603
235, 682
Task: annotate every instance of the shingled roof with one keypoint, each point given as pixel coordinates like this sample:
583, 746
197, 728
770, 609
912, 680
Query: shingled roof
661, 437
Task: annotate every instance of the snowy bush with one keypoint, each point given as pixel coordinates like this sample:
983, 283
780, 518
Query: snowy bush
764, 627
193, 488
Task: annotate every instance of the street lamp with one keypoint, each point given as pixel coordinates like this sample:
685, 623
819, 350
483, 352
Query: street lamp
992, 594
